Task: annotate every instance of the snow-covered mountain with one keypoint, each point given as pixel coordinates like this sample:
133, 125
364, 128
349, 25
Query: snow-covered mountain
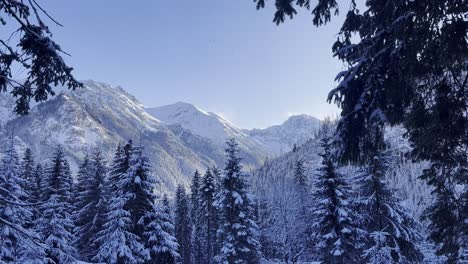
179, 138
99, 115
271, 141
209, 126
282, 138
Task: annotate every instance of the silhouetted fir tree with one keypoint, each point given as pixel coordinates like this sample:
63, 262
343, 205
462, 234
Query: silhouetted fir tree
34, 52
440, 131
182, 225
159, 234
196, 217
238, 232
333, 217
55, 224
209, 215
393, 233
90, 204
404, 70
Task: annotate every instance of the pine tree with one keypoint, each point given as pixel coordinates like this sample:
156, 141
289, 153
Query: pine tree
182, 225
238, 231
27, 173
440, 131
55, 224
118, 243
393, 232
36, 191
209, 215
90, 204
216, 222
301, 232
197, 220
389, 48
334, 220
32, 51
17, 244
138, 184
159, 234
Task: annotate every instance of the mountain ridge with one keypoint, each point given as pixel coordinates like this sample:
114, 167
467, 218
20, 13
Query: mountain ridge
183, 140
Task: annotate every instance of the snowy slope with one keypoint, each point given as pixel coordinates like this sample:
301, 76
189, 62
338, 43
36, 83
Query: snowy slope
210, 126
281, 138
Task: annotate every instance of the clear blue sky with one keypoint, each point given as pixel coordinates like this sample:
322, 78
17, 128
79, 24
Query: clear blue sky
222, 55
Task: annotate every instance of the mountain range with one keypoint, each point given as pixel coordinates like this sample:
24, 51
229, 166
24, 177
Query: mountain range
178, 138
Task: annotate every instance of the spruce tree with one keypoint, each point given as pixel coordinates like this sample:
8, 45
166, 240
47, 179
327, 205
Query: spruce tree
138, 185
90, 204
402, 69
197, 220
17, 243
209, 215
393, 233
216, 222
55, 224
118, 243
238, 232
36, 190
182, 225
27, 173
32, 51
159, 234
335, 221
298, 243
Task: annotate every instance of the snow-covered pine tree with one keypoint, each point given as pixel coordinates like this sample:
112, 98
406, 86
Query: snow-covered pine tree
55, 223
302, 204
159, 234
182, 225
217, 182
118, 244
238, 232
393, 233
334, 219
27, 173
138, 185
37, 188
17, 244
207, 195
90, 204
197, 219
69, 186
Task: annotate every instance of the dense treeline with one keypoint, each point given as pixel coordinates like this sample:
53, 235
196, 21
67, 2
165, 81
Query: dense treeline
110, 213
